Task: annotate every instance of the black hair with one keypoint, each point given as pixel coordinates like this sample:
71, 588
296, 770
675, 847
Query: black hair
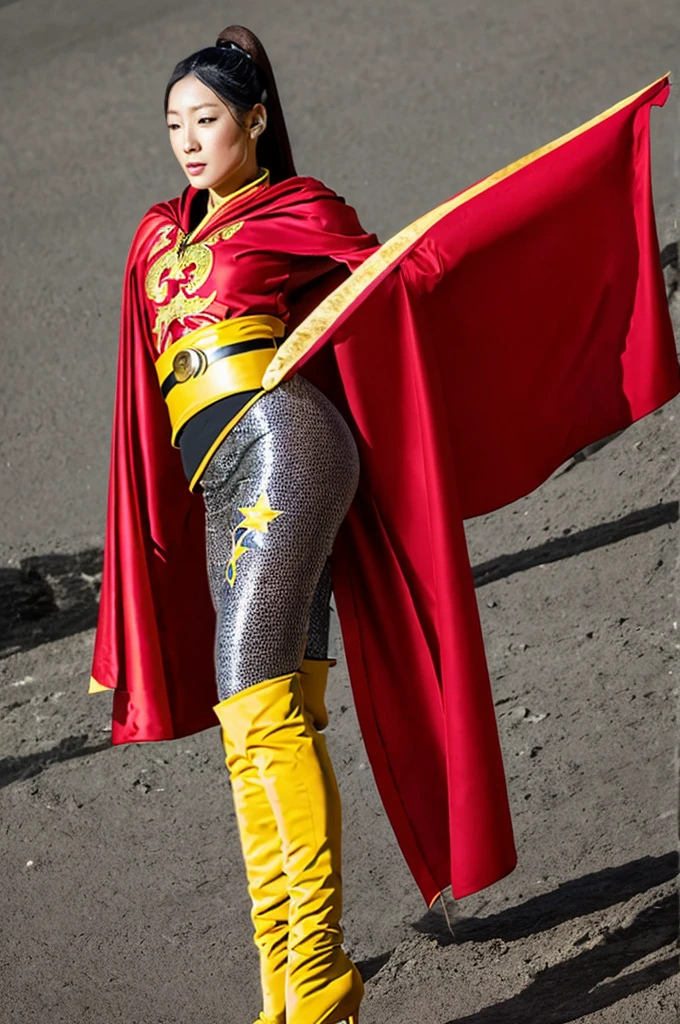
228, 71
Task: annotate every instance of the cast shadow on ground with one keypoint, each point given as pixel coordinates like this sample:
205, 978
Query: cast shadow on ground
592, 980
369, 968
670, 264
16, 769
47, 598
50, 597
572, 544
579, 985
571, 900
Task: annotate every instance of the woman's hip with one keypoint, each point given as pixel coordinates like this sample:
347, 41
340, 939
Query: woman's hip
291, 441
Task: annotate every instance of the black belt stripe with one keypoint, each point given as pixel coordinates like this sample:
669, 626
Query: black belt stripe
220, 353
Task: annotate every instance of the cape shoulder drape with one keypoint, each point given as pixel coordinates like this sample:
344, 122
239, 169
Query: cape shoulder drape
472, 354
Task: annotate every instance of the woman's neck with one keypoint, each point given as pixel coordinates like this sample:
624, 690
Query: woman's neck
222, 193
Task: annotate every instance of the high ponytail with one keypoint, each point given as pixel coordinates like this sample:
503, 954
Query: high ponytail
274, 149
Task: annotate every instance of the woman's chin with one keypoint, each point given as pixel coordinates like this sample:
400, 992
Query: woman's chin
201, 180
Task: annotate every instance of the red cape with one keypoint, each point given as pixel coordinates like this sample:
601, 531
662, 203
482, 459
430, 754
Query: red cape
472, 354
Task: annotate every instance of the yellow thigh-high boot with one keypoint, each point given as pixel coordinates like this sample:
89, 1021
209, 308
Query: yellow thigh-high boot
267, 725
261, 845
267, 883
313, 679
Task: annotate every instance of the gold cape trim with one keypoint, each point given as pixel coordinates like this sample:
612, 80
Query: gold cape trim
96, 687
305, 336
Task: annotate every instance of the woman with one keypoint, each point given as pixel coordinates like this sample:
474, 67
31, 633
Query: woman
218, 283
278, 473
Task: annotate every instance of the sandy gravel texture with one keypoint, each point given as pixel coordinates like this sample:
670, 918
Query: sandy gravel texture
123, 897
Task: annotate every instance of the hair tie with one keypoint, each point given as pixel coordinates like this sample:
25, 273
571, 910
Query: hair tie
228, 44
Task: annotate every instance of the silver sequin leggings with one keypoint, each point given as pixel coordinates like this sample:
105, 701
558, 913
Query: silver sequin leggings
275, 491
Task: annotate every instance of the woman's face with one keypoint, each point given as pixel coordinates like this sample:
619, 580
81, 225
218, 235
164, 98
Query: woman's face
214, 150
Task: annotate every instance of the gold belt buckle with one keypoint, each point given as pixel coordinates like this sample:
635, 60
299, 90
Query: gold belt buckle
188, 363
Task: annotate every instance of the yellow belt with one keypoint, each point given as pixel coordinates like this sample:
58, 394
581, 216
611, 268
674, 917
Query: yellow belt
215, 361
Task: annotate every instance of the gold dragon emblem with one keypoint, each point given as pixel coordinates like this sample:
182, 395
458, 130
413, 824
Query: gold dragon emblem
178, 273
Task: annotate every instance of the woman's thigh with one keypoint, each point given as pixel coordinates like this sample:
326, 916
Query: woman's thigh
271, 525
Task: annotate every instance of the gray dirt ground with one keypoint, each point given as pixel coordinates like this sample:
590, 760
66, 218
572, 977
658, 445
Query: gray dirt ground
123, 899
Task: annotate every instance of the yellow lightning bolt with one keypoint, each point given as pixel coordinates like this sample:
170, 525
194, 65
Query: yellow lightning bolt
230, 574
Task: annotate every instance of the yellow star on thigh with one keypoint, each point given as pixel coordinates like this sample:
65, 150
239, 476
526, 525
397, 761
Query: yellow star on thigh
258, 516
256, 519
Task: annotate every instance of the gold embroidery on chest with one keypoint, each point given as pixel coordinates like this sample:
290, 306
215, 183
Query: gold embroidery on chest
174, 277
224, 234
